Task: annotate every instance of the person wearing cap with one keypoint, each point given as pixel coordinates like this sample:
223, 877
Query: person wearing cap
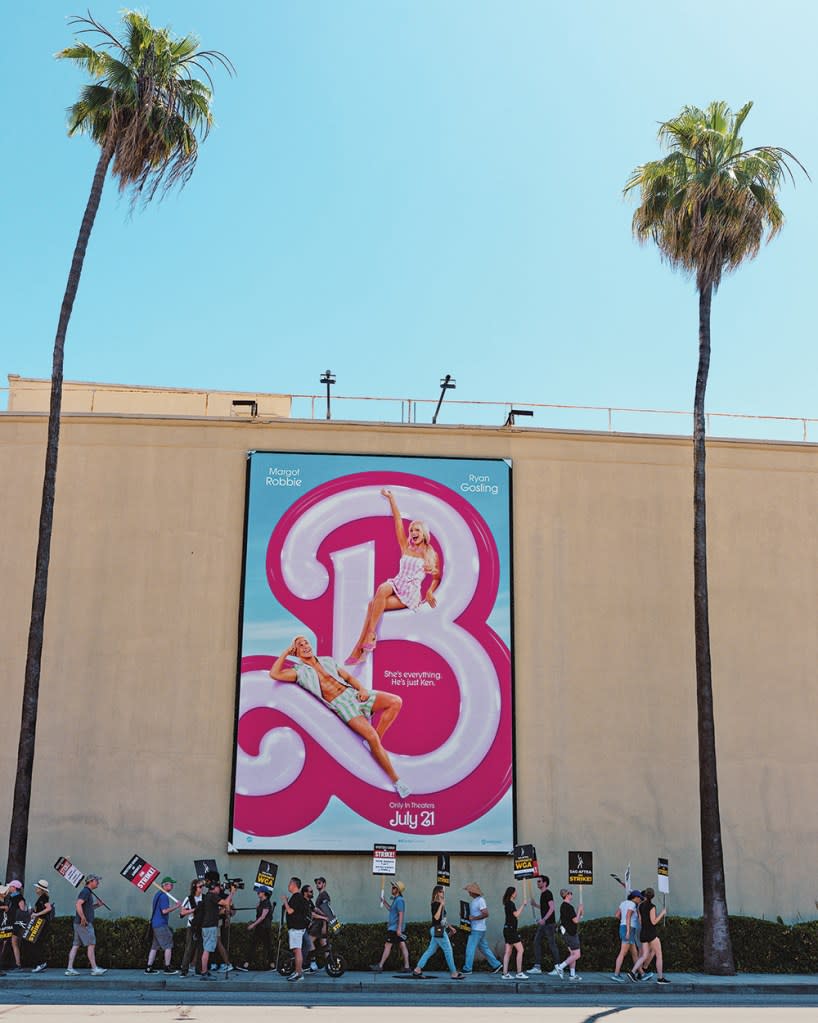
214, 902
569, 925
84, 908
160, 924
15, 905
44, 908
394, 928
477, 941
627, 915
261, 930
651, 944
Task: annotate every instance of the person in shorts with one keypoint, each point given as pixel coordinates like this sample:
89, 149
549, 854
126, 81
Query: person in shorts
394, 928
160, 926
84, 934
297, 909
212, 904
627, 914
569, 925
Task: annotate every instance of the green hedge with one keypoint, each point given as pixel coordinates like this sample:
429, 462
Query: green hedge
760, 946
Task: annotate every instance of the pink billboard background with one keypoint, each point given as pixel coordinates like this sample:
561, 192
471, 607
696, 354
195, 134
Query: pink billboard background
299, 769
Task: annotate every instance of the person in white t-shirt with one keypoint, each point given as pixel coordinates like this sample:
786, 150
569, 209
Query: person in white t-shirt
478, 913
628, 916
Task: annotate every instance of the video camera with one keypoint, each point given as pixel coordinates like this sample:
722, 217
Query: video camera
234, 882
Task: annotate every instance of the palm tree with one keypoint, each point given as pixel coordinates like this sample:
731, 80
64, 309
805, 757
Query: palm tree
708, 205
148, 115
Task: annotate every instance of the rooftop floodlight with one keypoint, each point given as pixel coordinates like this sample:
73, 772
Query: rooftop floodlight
448, 383
514, 412
247, 403
328, 378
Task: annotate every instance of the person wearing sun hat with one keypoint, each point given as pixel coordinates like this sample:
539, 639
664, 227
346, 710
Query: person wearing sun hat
394, 928
478, 914
44, 908
84, 908
162, 934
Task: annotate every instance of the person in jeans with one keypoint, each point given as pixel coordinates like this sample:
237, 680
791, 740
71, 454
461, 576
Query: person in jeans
84, 934
193, 931
439, 934
477, 941
546, 924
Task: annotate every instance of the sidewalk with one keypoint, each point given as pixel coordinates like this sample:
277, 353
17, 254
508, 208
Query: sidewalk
386, 983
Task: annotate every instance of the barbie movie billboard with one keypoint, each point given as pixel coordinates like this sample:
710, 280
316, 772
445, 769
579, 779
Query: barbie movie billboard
375, 690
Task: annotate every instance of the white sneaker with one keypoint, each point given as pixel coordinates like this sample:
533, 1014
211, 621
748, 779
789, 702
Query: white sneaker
402, 789
521, 976
71, 972
313, 967
558, 971
40, 968
98, 971
535, 969
507, 976
574, 976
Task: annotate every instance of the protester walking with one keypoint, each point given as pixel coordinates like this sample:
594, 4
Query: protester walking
45, 910
627, 914
546, 924
261, 931
477, 940
193, 930
394, 928
439, 936
651, 945
162, 938
84, 934
569, 926
511, 935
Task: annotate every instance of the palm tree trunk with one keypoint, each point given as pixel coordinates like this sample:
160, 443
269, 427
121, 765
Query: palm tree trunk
718, 949
18, 828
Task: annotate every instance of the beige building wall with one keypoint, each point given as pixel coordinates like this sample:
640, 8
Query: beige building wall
138, 678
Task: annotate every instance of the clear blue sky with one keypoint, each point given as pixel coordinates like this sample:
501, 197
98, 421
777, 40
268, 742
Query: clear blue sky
397, 190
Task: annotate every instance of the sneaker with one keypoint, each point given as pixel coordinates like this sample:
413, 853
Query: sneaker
98, 971
632, 976
507, 976
554, 973
534, 969
169, 970
559, 970
71, 972
574, 976
521, 976
243, 969
313, 967
182, 973
376, 968
464, 970
647, 976
618, 978
295, 977
496, 969
40, 968
213, 967
151, 969
662, 980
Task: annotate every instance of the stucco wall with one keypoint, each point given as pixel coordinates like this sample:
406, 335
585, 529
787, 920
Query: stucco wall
138, 681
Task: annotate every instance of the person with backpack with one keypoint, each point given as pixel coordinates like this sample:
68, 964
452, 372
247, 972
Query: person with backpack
192, 913
43, 908
160, 925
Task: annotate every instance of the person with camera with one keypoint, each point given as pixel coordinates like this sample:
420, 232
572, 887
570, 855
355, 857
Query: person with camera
261, 930
297, 911
214, 902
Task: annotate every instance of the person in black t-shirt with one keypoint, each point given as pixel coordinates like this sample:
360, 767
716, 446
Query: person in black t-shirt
569, 925
212, 905
651, 945
261, 930
546, 924
297, 910
511, 935
44, 908
15, 911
